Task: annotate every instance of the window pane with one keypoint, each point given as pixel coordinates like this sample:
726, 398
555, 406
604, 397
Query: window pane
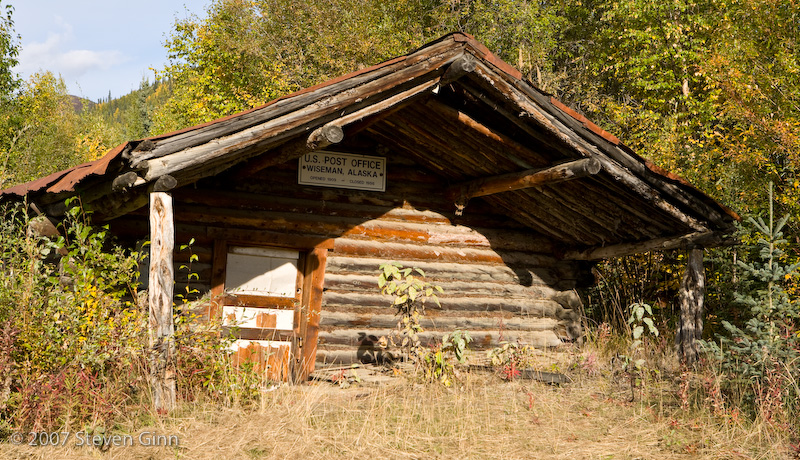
261, 274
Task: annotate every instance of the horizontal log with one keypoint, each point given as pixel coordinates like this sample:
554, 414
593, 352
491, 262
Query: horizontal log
460, 67
124, 181
300, 241
387, 223
338, 263
481, 340
203, 160
696, 239
412, 252
331, 320
541, 308
368, 283
324, 136
526, 179
333, 132
330, 354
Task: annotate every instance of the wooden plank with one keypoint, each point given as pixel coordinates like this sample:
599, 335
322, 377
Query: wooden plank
316, 262
281, 303
251, 333
220, 261
160, 292
541, 308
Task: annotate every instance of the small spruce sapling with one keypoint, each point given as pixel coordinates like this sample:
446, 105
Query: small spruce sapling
769, 343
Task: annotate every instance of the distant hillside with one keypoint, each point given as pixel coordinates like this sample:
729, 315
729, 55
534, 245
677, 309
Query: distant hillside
79, 103
131, 116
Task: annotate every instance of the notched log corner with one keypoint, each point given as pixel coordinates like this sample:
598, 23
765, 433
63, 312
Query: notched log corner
124, 182
165, 183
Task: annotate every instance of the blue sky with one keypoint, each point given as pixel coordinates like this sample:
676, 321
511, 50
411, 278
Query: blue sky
97, 46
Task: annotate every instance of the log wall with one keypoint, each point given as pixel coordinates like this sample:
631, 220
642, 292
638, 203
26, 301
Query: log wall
501, 280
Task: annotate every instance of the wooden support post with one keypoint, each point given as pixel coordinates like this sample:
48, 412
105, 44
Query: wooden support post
162, 276
690, 327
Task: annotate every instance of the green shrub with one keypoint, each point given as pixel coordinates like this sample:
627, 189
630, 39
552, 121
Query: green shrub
71, 329
761, 360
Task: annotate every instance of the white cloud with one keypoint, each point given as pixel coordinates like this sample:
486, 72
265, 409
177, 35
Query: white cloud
53, 55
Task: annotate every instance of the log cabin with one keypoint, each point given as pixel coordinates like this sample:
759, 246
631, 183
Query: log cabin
444, 159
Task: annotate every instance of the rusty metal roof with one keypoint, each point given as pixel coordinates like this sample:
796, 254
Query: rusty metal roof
493, 96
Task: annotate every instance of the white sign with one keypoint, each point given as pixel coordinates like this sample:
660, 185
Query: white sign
342, 170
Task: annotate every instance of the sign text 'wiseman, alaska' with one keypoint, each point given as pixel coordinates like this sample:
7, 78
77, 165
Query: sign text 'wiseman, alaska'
342, 170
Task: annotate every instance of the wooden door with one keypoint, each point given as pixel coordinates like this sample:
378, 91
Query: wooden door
261, 307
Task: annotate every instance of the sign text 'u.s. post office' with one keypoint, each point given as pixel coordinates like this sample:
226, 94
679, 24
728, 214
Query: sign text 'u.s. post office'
342, 170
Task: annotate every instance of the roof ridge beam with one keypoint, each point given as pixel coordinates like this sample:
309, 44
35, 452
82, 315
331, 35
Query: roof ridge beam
205, 159
196, 136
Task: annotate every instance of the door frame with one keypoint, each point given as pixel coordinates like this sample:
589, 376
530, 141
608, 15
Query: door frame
313, 259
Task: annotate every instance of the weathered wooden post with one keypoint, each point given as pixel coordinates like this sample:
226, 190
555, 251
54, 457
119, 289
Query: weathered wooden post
162, 275
692, 292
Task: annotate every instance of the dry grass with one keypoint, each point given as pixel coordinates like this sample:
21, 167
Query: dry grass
484, 417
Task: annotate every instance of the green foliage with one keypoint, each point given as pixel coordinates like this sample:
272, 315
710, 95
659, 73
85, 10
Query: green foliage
43, 121
524, 33
457, 342
132, 116
409, 294
44, 133
652, 277
641, 316
9, 51
510, 359
438, 364
74, 328
763, 358
245, 53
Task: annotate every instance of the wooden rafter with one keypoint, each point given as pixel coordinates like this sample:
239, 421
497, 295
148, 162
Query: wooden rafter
523, 179
705, 238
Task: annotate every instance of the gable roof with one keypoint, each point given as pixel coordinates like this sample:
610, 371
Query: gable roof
455, 109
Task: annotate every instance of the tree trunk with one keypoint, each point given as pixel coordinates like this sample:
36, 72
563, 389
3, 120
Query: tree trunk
162, 276
690, 328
